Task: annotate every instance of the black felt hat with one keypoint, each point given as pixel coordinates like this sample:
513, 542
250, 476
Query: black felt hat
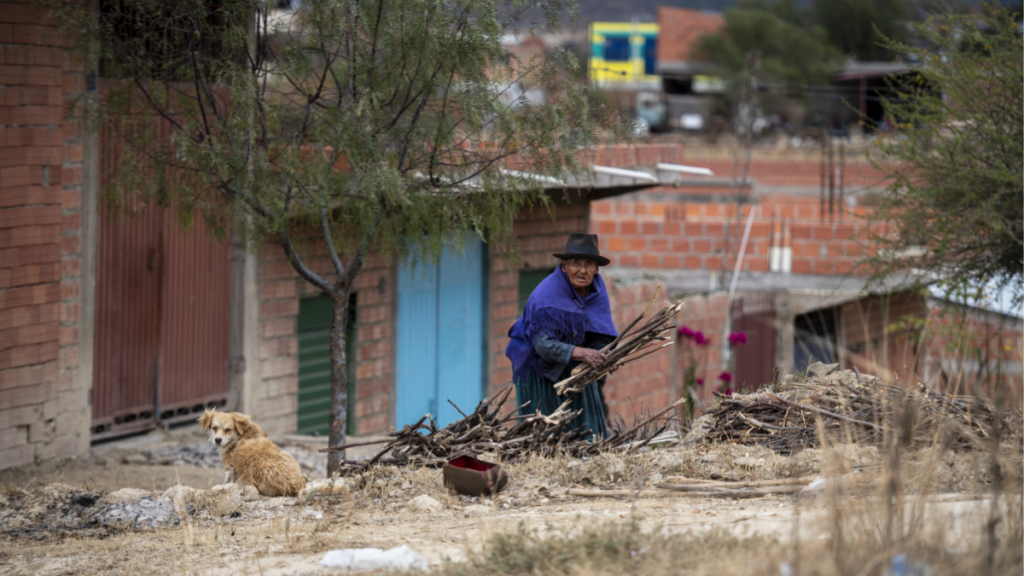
582, 245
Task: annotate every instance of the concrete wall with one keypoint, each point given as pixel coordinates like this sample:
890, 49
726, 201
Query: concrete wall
44, 407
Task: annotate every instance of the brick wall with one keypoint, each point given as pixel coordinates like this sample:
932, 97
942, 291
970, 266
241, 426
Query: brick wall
645, 383
680, 232
280, 291
972, 351
44, 411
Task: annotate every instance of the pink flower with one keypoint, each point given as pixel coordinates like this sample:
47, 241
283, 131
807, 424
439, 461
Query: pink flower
728, 391
725, 377
737, 339
685, 332
700, 339
700, 381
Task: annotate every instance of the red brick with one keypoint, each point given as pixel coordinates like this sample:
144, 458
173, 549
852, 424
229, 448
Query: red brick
650, 261
10, 197
278, 308
800, 232
27, 315
281, 327
29, 295
692, 262
628, 226
69, 312
33, 274
637, 244
651, 228
671, 262
29, 216
702, 246
28, 354
70, 245
31, 334
802, 266
72, 175
28, 236
823, 232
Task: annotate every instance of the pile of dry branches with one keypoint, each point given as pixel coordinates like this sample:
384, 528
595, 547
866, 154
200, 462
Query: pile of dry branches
848, 407
487, 430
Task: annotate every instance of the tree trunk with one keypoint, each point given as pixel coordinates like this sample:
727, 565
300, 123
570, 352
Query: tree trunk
339, 381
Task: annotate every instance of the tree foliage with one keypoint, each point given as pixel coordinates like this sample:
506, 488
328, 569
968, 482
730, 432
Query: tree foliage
855, 27
955, 162
791, 53
362, 124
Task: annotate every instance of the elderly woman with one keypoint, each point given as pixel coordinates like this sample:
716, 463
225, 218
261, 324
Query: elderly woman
567, 320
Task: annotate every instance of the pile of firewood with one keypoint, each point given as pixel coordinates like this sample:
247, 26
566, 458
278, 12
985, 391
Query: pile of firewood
511, 435
849, 407
487, 430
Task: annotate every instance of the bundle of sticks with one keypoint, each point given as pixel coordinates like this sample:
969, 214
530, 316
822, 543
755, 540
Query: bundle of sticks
488, 430
849, 407
629, 346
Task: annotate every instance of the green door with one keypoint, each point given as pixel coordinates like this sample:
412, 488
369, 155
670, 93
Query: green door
314, 402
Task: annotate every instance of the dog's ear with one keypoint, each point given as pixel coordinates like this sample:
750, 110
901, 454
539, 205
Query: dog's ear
206, 420
241, 423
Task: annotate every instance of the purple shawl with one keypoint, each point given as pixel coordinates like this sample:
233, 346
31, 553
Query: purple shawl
556, 308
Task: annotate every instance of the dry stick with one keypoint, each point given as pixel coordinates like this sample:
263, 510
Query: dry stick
355, 444
681, 481
666, 491
783, 489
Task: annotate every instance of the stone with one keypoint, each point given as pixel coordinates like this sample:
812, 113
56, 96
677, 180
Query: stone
125, 495
324, 487
477, 509
424, 503
179, 494
748, 461
819, 369
135, 459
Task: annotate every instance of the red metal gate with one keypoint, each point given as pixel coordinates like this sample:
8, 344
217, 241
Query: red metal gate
162, 326
754, 314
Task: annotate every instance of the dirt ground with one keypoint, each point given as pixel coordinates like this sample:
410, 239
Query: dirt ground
76, 518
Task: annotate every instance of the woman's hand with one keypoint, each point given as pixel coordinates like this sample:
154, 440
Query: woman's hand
594, 358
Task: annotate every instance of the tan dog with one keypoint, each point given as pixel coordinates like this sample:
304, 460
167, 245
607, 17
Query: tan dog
249, 456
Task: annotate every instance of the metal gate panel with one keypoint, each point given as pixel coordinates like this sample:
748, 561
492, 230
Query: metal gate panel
416, 370
754, 314
127, 329
314, 396
195, 321
313, 405
460, 331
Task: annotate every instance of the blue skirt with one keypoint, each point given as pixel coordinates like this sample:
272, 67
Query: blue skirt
540, 392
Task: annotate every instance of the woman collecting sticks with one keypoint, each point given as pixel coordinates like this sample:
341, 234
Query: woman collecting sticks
567, 320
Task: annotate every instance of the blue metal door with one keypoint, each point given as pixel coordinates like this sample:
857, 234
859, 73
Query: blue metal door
440, 336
